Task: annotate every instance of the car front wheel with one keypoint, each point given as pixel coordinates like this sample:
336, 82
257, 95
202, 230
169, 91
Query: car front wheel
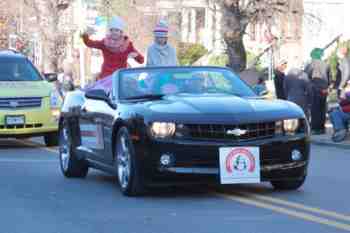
51, 139
71, 166
128, 173
288, 184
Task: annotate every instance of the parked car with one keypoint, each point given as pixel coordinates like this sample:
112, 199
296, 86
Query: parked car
183, 124
28, 104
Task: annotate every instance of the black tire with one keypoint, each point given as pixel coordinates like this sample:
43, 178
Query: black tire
51, 139
288, 184
135, 185
73, 166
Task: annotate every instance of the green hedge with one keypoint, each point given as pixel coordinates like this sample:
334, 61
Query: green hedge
188, 53
222, 60
218, 60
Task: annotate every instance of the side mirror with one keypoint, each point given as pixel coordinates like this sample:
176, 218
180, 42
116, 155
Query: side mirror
99, 94
50, 77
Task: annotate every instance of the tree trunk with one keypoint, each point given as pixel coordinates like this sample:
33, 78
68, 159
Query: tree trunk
233, 28
236, 54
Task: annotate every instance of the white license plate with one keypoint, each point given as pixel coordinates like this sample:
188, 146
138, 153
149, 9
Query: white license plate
239, 165
14, 120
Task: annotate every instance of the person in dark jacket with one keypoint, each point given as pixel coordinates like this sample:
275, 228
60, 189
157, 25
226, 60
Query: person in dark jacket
340, 118
297, 88
319, 74
336, 83
279, 79
344, 70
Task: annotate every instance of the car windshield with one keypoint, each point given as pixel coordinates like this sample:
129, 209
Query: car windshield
181, 80
17, 70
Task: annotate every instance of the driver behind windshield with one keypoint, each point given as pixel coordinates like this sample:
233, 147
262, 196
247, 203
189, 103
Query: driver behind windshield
195, 84
131, 87
166, 84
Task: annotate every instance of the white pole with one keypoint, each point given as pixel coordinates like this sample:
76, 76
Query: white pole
82, 66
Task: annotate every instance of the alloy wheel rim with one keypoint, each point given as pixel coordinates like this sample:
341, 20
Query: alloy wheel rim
64, 150
123, 161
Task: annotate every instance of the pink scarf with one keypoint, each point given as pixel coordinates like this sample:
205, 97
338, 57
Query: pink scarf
116, 45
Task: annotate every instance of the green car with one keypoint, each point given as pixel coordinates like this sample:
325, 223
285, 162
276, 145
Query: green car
29, 105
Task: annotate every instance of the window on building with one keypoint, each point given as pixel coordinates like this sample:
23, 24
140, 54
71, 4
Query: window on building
200, 24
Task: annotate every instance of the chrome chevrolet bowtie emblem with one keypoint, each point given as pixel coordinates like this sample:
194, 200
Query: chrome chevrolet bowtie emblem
236, 132
14, 104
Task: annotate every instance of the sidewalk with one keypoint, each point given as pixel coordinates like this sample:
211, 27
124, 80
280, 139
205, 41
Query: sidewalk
325, 139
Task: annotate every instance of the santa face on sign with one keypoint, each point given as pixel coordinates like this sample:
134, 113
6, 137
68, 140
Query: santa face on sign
240, 160
240, 164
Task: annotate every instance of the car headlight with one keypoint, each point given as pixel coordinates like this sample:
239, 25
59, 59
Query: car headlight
290, 125
55, 113
162, 129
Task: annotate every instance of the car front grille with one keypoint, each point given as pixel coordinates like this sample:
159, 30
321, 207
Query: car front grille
26, 126
17, 103
239, 133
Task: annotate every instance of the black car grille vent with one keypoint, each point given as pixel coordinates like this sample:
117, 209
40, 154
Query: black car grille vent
242, 132
24, 102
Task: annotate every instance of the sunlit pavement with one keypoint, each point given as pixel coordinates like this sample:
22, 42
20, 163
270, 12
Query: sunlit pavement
35, 198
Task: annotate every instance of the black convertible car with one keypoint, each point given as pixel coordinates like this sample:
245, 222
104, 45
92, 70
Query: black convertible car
183, 125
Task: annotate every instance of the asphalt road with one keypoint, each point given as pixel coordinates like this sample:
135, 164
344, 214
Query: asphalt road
36, 198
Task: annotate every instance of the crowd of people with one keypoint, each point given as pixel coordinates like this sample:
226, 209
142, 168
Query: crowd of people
307, 87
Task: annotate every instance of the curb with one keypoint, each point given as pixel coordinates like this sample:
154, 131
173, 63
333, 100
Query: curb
332, 144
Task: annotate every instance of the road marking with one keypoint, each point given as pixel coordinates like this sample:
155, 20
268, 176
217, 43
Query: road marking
298, 206
251, 199
283, 210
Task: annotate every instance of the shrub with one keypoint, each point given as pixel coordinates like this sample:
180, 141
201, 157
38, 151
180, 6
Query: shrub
188, 53
218, 60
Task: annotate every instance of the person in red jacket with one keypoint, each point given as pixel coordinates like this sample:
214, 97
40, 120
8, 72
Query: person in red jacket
340, 118
116, 48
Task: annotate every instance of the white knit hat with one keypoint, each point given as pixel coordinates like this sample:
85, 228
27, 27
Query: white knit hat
116, 23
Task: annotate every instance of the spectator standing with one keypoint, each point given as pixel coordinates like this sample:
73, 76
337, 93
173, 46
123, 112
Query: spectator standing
298, 89
279, 79
319, 74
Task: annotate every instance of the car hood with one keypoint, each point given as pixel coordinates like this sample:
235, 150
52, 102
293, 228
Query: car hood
25, 89
221, 108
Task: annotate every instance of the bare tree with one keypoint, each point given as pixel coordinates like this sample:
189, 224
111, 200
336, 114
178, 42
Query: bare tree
48, 17
238, 14
8, 14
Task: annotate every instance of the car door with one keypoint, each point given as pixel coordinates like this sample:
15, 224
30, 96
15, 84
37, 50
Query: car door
91, 130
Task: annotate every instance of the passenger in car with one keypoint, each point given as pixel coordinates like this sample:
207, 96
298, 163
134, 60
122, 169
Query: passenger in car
195, 84
116, 48
161, 53
131, 87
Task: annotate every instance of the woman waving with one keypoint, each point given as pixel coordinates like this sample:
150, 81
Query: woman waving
116, 48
